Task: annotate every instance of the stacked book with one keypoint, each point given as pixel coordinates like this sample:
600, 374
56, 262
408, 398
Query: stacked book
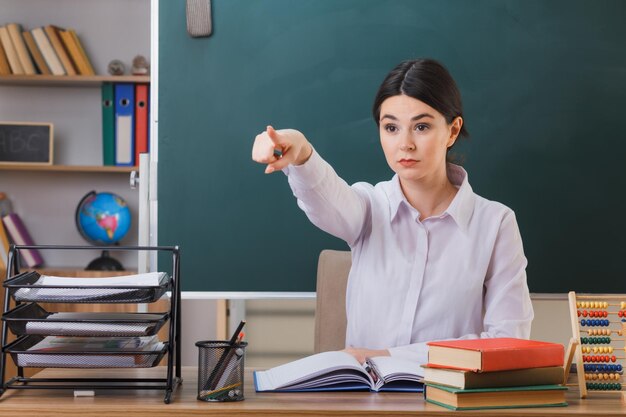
494, 373
47, 50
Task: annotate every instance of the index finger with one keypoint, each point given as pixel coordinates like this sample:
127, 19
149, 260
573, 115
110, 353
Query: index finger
273, 135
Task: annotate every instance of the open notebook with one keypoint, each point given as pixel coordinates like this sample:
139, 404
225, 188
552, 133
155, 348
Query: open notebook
340, 371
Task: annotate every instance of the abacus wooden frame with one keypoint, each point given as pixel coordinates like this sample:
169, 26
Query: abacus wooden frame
575, 343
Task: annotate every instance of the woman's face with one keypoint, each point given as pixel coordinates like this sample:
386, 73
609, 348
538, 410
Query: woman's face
415, 138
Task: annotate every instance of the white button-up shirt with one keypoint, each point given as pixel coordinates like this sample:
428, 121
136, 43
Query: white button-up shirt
461, 274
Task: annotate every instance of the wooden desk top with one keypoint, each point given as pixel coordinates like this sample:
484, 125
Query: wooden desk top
150, 403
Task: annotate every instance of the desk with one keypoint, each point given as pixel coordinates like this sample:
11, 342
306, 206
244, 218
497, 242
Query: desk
150, 403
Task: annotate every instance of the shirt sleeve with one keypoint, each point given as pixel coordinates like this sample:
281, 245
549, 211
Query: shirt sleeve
508, 310
327, 200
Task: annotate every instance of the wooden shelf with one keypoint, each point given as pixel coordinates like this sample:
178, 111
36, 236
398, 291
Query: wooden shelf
66, 168
70, 80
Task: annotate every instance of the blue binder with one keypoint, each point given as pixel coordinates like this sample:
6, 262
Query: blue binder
124, 124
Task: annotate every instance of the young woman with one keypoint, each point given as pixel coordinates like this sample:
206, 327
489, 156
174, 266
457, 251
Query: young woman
431, 259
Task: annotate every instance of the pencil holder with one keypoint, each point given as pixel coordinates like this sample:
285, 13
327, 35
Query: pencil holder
220, 370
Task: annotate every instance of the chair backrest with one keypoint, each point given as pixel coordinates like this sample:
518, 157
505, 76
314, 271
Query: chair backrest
330, 311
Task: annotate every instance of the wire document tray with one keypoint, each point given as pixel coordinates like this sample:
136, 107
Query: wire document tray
70, 339
32, 319
31, 286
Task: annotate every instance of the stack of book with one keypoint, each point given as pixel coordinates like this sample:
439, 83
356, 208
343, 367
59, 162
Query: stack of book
494, 373
47, 50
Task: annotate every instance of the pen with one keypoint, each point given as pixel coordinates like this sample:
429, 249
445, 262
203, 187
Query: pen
223, 360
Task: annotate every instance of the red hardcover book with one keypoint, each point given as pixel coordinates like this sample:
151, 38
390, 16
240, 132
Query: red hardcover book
141, 120
20, 236
495, 354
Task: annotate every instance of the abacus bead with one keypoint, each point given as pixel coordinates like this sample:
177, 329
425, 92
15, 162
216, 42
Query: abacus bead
585, 313
619, 367
613, 358
605, 304
610, 349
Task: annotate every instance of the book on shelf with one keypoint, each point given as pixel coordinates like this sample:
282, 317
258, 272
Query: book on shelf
9, 49
15, 32
81, 50
4, 246
108, 124
20, 236
340, 371
463, 379
494, 354
141, 120
40, 62
79, 61
5, 69
58, 46
124, 124
505, 397
53, 61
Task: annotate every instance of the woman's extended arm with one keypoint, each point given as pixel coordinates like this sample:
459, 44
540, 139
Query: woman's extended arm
328, 201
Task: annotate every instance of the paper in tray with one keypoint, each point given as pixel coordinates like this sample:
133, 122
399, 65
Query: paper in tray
32, 319
40, 352
128, 288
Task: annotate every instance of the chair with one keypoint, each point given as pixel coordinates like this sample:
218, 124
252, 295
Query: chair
330, 311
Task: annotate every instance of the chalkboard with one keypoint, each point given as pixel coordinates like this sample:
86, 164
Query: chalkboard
26, 143
543, 83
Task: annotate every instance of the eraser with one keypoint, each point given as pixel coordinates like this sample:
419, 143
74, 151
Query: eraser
84, 393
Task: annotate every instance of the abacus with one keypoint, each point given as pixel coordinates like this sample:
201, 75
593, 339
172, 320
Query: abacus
596, 320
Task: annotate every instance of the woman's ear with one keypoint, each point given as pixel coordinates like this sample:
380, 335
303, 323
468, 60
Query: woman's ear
455, 129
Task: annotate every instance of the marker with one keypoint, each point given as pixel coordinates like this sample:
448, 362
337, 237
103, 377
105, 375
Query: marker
278, 153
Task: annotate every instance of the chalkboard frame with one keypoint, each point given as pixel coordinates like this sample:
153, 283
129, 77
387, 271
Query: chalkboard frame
50, 144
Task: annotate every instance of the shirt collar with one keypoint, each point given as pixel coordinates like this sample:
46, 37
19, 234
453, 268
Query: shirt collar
461, 207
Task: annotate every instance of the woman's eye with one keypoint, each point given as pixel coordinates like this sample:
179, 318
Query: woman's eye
391, 128
421, 127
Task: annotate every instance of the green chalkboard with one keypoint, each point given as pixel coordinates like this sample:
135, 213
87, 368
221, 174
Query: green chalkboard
543, 82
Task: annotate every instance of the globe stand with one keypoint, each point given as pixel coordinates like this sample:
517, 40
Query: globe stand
105, 263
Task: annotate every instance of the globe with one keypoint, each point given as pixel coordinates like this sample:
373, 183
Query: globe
103, 219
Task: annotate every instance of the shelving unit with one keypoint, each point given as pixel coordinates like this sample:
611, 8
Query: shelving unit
46, 196
70, 81
66, 168
23, 295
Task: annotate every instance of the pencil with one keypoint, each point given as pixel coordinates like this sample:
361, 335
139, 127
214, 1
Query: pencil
223, 360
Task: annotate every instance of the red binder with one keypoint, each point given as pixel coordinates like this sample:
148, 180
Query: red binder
141, 120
